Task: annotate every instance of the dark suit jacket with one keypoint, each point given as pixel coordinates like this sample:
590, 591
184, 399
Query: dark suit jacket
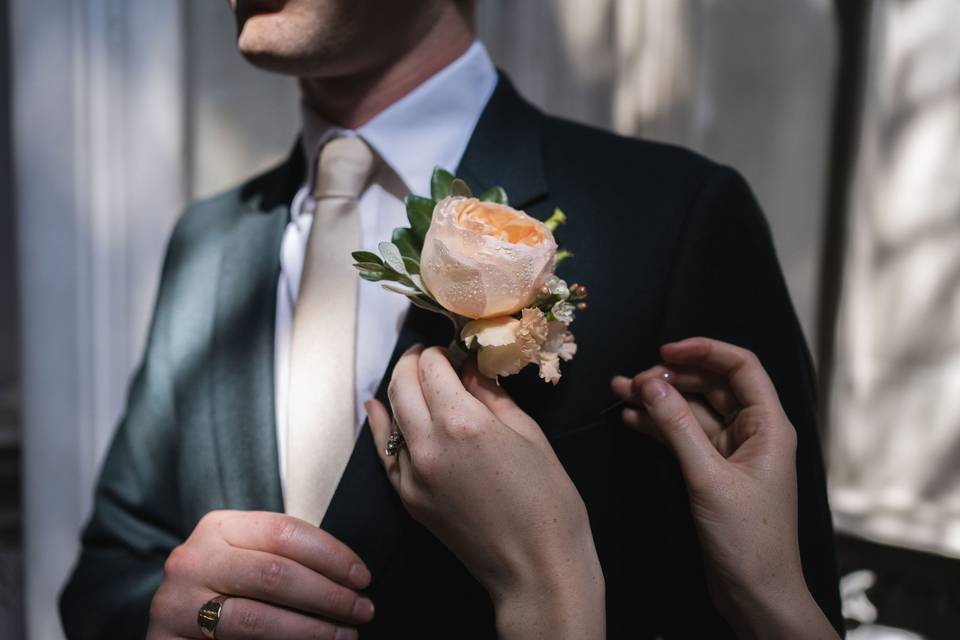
671, 245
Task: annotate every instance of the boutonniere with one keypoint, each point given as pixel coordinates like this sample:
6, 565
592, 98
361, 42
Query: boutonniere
489, 268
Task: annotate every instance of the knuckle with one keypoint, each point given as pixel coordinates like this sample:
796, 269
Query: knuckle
283, 531
321, 630
177, 562
251, 622
460, 427
340, 601
427, 463
750, 360
675, 421
211, 520
271, 575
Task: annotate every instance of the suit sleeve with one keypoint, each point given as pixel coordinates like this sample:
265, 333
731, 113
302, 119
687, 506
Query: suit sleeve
134, 524
726, 284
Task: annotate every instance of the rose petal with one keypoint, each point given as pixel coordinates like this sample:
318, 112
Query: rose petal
491, 332
483, 260
505, 360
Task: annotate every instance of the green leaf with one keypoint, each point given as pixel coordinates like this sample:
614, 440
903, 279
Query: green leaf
366, 256
496, 194
377, 276
460, 188
413, 266
391, 256
400, 290
418, 282
562, 255
558, 218
406, 241
369, 266
440, 183
419, 213
421, 302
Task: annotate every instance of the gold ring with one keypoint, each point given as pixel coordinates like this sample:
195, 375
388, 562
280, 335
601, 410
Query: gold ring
209, 616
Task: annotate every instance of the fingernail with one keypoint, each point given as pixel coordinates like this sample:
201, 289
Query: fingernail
653, 391
359, 575
345, 634
363, 609
414, 347
621, 379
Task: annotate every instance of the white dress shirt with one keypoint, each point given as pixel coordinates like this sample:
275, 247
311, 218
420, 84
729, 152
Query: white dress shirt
428, 127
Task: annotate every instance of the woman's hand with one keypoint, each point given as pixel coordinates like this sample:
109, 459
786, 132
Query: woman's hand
480, 475
737, 454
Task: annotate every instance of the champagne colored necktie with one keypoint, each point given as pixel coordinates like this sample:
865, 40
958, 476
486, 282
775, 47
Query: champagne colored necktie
321, 397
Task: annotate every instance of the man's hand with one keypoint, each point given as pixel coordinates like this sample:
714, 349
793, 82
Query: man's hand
285, 577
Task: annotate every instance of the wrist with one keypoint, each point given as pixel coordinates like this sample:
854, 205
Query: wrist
561, 595
784, 610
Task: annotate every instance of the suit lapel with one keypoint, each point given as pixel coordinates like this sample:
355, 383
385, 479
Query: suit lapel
366, 512
505, 149
243, 342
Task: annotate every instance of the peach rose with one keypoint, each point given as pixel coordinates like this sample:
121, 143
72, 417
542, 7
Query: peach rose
482, 259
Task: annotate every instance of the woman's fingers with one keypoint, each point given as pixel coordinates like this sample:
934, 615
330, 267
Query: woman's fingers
381, 426
638, 419
442, 389
739, 367
406, 397
500, 403
688, 380
680, 429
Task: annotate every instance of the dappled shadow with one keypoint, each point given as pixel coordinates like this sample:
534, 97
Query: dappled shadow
896, 421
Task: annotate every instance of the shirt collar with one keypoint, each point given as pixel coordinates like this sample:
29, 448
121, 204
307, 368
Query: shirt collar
430, 126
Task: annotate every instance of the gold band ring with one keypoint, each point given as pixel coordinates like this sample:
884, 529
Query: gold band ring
209, 616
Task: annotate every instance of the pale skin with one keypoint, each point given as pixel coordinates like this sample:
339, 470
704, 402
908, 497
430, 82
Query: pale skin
480, 475
286, 577
741, 478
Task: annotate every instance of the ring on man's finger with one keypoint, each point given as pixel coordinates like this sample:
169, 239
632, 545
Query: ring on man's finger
209, 616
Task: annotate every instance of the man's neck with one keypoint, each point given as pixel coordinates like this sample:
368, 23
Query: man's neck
352, 101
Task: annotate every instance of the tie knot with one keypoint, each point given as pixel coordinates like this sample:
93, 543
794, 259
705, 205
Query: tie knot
343, 169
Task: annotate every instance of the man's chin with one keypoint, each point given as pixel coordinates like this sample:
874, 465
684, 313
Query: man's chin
267, 50
279, 44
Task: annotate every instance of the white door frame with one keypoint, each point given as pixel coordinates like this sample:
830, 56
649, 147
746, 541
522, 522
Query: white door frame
98, 122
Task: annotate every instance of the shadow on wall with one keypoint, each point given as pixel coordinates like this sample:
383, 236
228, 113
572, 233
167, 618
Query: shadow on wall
240, 120
747, 84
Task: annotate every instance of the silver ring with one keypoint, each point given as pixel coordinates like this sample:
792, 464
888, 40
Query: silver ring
395, 443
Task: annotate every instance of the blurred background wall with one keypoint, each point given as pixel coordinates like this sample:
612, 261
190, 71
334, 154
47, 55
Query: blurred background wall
125, 110
895, 394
